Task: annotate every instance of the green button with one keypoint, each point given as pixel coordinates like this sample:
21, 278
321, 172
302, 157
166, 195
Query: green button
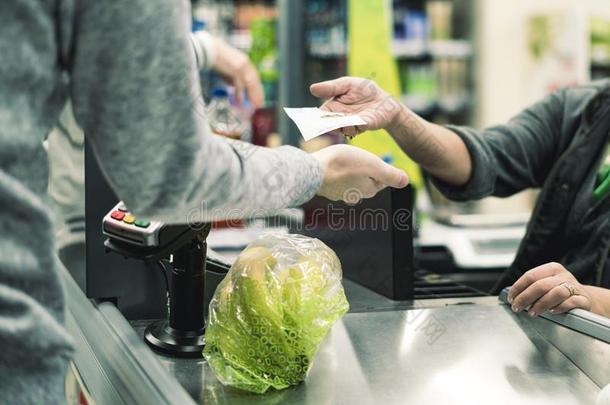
142, 223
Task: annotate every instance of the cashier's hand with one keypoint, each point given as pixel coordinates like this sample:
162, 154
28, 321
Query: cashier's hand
235, 67
351, 174
354, 95
549, 287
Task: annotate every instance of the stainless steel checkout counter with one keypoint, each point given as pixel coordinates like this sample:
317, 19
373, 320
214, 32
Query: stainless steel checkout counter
435, 351
393, 347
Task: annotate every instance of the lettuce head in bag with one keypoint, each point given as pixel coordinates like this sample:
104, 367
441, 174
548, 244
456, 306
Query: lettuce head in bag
271, 312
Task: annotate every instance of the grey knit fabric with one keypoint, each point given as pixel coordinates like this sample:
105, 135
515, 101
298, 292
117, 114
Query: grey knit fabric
129, 70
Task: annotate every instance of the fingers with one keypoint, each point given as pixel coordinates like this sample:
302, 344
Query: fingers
346, 132
575, 301
533, 275
239, 91
390, 176
235, 68
349, 132
543, 289
328, 105
247, 80
367, 188
332, 88
373, 187
378, 186
551, 299
335, 106
354, 171
352, 132
380, 171
534, 292
335, 132
254, 88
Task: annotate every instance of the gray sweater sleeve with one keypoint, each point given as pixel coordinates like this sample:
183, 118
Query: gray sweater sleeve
132, 78
517, 155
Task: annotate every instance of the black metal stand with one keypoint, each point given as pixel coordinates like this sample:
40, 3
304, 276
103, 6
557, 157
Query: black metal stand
182, 334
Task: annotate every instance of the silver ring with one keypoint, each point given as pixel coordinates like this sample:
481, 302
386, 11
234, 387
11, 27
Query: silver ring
570, 288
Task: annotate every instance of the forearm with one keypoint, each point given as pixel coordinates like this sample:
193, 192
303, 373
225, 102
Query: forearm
438, 150
600, 300
149, 130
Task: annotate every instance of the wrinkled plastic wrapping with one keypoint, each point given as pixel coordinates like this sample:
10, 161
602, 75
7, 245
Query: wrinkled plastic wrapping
271, 312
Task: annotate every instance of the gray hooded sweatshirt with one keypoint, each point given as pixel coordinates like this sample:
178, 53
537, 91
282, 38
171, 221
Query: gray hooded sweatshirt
129, 69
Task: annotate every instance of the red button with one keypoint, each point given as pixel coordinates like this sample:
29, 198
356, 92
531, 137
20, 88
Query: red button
118, 215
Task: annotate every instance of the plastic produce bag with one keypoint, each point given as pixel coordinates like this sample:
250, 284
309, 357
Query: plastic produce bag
271, 312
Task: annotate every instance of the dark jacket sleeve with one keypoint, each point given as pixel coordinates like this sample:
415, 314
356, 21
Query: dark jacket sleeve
509, 158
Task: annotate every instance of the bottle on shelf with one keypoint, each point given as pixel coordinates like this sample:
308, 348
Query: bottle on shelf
440, 14
223, 119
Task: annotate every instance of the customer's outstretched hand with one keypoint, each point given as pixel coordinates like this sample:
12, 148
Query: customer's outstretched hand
351, 174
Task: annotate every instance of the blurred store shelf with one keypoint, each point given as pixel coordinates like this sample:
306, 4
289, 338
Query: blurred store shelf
453, 48
600, 64
415, 49
325, 53
407, 49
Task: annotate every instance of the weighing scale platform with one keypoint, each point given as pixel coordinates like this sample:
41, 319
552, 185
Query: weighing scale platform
464, 354
438, 351
470, 351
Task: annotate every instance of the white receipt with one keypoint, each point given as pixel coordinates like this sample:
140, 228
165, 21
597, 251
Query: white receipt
313, 122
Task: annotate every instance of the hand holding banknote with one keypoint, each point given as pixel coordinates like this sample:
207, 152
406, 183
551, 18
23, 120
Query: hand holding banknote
361, 97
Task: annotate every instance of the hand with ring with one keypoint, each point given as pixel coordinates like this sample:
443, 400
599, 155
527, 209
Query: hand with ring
549, 287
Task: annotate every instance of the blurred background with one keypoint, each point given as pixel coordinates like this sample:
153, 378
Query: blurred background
466, 62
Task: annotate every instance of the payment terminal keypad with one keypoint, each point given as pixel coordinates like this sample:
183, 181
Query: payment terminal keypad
120, 224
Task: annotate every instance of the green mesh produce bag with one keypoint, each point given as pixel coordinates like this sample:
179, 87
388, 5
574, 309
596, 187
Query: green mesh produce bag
270, 313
